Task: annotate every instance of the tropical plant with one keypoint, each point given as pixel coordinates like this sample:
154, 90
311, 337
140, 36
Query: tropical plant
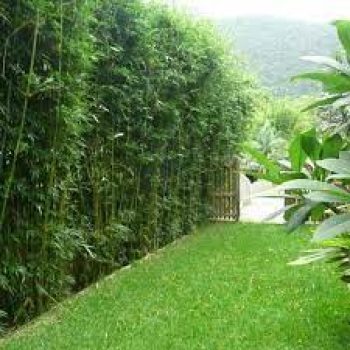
284, 115
319, 190
275, 123
268, 142
331, 190
335, 77
334, 231
305, 152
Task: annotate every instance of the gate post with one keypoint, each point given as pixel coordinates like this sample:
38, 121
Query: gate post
226, 192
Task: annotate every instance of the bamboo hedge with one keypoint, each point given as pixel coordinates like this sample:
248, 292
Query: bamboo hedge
113, 117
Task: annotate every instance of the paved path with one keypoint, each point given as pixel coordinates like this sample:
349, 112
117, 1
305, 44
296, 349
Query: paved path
261, 208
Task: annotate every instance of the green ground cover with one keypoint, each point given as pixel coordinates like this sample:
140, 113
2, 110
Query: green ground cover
226, 287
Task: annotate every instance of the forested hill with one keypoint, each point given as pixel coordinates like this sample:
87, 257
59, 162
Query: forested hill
273, 48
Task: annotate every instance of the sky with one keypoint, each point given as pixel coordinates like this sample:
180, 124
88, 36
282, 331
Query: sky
309, 10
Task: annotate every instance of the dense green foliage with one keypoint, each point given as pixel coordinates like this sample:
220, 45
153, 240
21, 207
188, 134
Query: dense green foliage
275, 123
320, 180
205, 292
114, 115
305, 154
274, 46
304, 151
332, 189
45, 53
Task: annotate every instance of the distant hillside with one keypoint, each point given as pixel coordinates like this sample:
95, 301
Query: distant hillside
273, 48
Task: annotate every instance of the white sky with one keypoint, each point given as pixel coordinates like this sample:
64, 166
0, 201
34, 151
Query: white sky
310, 10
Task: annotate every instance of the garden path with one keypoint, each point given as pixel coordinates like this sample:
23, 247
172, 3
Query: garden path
255, 207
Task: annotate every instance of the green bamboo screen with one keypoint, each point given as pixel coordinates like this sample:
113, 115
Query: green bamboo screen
113, 114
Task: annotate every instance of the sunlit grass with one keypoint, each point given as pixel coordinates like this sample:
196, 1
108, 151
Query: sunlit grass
227, 287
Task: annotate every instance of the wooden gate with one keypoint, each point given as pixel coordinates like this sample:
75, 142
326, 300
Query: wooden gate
226, 196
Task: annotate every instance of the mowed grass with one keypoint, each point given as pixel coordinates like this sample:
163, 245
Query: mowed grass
226, 287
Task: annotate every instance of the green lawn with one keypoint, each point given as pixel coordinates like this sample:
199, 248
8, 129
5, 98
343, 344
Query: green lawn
226, 287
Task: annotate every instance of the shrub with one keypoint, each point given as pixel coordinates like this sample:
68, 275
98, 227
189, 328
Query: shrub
169, 103
114, 116
275, 123
332, 190
44, 50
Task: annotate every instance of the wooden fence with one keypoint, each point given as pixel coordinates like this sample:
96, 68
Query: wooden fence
226, 196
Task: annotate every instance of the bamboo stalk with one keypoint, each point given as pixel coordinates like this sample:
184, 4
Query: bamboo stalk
7, 117
54, 141
22, 122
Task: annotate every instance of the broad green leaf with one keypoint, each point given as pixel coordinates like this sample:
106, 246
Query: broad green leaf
286, 195
333, 83
332, 146
339, 166
343, 29
310, 144
279, 212
338, 177
342, 102
328, 197
297, 155
317, 214
275, 179
311, 185
345, 155
328, 62
346, 276
322, 102
300, 215
333, 227
313, 256
291, 175
272, 168
285, 163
